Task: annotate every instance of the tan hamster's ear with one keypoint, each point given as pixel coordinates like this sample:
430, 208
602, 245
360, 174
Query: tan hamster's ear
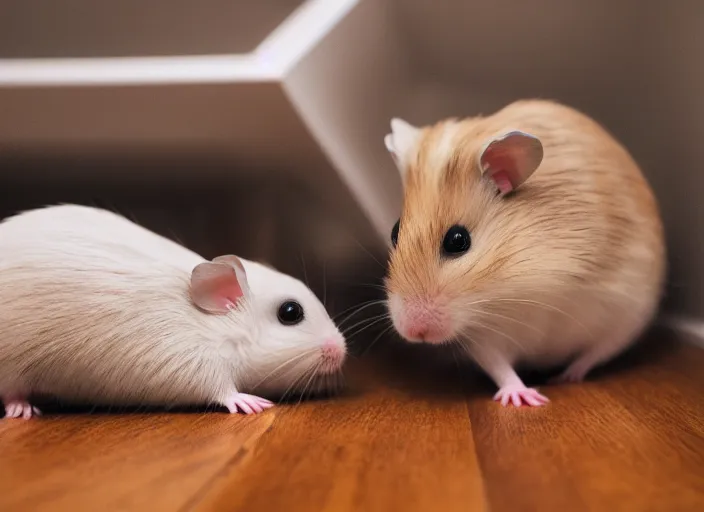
401, 143
217, 287
510, 159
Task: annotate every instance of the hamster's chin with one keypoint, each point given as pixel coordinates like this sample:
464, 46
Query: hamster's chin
429, 337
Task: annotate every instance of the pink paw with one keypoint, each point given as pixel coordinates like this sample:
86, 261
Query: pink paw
248, 404
20, 409
518, 395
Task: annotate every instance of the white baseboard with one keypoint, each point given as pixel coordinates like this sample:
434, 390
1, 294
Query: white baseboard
692, 328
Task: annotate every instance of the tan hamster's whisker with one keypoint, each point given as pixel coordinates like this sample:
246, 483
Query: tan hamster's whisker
454, 345
374, 286
465, 335
367, 252
500, 333
546, 292
506, 317
535, 303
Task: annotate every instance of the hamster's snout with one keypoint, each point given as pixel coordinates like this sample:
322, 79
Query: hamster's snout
332, 353
418, 319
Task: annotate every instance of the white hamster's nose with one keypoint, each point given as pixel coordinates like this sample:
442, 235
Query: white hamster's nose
333, 352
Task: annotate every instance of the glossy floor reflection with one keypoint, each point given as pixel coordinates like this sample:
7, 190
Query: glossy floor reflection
411, 434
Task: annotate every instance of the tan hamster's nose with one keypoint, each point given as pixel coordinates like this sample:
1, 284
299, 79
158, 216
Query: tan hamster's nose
421, 329
417, 330
420, 320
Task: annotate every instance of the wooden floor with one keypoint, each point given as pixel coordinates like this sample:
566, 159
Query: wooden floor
412, 434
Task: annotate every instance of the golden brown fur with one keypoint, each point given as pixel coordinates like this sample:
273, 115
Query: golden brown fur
572, 259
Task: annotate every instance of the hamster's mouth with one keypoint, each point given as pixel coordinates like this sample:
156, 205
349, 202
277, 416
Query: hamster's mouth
430, 337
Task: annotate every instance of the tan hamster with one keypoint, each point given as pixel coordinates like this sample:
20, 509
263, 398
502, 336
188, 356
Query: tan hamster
529, 236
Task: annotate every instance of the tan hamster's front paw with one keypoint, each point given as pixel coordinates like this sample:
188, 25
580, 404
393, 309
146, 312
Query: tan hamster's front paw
518, 394
248, 404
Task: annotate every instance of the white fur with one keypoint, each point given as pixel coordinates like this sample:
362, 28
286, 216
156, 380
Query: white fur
402, 143
95, 308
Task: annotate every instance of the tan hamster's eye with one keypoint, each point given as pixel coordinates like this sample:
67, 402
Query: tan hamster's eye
457, 241
394, 233
290, 313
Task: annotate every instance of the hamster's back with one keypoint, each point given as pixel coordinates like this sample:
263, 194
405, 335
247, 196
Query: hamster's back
86, 296
588, 195
74, 229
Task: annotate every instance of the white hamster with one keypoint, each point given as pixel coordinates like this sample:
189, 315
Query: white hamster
97, 309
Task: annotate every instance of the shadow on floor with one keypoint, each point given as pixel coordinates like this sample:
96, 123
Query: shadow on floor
437, 373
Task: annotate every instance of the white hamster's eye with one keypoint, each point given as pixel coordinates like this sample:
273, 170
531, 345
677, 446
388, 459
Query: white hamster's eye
457, 241
394, 232
290, 313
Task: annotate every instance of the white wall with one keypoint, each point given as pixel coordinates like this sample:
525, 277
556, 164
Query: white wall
637, 66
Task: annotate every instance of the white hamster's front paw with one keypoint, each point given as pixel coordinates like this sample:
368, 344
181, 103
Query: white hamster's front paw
518, 394
20, 409
248, 404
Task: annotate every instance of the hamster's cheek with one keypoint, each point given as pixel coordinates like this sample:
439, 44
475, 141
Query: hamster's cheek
395, 305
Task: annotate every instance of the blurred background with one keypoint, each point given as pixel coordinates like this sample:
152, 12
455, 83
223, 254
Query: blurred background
256, 126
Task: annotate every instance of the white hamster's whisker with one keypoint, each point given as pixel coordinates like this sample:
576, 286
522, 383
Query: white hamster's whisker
365, 303
381, 334
285, 363
296, 381
292, 387
305, 272
314, 369
361, 308
370, 322
364, 321
325, 287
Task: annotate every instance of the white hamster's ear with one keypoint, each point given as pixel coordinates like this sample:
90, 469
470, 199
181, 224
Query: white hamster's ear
401, 143
217, 287
236, 263
231, 260
510, 158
